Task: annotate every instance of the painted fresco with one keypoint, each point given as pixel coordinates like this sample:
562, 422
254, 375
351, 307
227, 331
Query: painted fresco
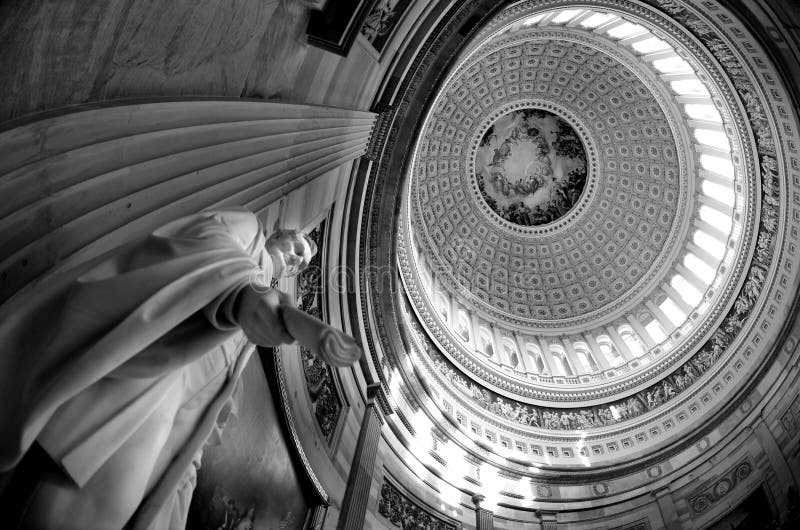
250, 479
531, 167
381, 21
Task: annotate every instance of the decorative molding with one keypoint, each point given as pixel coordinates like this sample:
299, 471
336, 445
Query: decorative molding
377, 139
703, 498
377, 393
790, 419
381, 21
277, 364
405, 513
642, 524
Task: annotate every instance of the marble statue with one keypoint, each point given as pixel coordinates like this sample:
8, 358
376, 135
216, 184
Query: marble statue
118, 372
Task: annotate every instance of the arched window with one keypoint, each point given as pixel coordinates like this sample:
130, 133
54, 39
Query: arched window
631, 340
487, 344
674, 313
561, 360
585, 357
511, 353
609, 351
654, 328
441, 305
463, 325
536, 355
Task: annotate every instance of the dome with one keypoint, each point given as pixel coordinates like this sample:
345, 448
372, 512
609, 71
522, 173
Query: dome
568, 237
564, 233
585, 226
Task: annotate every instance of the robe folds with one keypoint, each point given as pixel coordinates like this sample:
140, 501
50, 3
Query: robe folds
128, 322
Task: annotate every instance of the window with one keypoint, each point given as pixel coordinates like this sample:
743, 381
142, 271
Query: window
534, 354
463, 326
690, 87
511, 353
672, 311
687, 291
713, 138
487, 345
441, 305
702, 111
713, 246
717, 219
653, 44
562, 363
718, 192
672, 65
585, 357
598, 19
565, 16
655, 330
699, 267
631, 340
717, 164
610, 352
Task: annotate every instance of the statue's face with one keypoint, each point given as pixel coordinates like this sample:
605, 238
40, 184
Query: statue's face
290, 254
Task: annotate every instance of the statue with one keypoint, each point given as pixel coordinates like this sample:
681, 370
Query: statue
137, 357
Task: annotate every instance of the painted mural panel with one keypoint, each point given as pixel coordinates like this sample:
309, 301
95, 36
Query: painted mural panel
531, 167
250, 479
381, 21
322, 390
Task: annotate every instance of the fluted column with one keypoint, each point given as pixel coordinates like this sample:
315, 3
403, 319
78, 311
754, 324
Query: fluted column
599, 356
547, 355
356, 496
619, 344
662, 319
476, 339
502, 356
572, 357
524, 358
484, 519
640, 330
79, 184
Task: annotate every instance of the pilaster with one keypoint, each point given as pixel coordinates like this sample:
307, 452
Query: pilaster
484, 519
356, 496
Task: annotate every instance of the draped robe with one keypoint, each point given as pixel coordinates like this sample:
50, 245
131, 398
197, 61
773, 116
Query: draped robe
139, 342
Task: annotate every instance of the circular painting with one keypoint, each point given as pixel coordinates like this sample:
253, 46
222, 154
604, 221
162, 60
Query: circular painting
531, 167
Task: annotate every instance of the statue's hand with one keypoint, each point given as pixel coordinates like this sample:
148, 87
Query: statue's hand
259, 316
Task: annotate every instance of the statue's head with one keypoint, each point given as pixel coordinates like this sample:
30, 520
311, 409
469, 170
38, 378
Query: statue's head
291, 251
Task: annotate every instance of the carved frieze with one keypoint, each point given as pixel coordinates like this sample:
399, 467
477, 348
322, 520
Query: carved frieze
404, 513
700, 501
324, 395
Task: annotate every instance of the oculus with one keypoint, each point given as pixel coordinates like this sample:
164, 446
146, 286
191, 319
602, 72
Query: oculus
531, 167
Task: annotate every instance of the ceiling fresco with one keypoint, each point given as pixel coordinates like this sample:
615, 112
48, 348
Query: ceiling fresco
531, 167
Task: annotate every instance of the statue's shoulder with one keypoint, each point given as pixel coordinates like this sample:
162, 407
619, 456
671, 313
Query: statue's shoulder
239, 223
239, 220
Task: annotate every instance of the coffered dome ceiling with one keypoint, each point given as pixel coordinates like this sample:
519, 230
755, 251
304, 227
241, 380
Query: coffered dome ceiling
589, 221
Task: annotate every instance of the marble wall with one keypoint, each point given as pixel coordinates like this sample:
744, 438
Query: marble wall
65, 52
